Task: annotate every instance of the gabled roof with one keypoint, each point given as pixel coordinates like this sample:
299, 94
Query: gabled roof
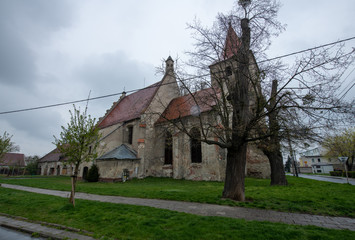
53, 156
13, 159
199, 102
121, 153
231, 44
129, 107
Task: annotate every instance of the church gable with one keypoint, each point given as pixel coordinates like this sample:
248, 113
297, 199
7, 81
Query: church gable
129, 107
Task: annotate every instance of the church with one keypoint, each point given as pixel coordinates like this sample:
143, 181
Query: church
140, 137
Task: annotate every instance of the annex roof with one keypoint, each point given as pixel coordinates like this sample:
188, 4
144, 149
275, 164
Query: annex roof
53, 156
192, 104
120, 153
129, 107
13, 159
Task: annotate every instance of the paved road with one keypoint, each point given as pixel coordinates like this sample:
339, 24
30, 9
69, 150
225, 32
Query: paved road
209, 209
327, 178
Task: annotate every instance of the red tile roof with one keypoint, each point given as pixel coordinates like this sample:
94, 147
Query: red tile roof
201, 101
232, 44
53, 156
130, 107
13, 159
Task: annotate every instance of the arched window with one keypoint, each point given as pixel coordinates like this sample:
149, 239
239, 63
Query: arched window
195, 146
168, 157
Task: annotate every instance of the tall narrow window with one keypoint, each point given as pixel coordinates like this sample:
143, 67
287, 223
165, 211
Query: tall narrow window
168, 148
130, 134
195, 146
229, 71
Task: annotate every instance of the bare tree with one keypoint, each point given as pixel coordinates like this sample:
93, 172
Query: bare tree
244, 103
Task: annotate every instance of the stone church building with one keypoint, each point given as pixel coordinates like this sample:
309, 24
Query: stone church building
140, 137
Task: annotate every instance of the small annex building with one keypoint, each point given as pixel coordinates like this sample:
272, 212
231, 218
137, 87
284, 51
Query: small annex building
12, 163
138, 139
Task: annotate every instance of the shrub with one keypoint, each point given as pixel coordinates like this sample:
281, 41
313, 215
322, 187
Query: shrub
336, 173
351, 174
32, 168
93, 174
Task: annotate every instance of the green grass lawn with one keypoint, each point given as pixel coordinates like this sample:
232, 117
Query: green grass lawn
119, 221
302, 195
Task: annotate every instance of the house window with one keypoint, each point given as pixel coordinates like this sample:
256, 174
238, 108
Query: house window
168, 148
130, 134
195, 146
312, 160
318, 159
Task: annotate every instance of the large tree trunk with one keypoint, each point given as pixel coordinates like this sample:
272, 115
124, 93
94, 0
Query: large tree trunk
278, 176
271, 146
237, 152
235, 173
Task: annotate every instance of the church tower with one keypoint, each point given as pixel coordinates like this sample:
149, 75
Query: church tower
223, 71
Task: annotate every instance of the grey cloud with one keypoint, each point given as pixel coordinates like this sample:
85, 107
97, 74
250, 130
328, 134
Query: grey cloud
23, 24
37, 124
16, 61
110, 73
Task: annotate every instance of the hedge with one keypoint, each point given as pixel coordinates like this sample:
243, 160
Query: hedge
351, 174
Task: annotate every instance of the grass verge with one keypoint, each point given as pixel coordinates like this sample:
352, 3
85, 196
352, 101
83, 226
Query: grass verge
120, 221
302, 195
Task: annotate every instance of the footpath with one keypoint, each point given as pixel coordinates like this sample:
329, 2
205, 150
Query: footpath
208, 209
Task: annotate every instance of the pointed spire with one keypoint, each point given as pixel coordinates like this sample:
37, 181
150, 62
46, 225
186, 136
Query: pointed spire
231, 44
169, 67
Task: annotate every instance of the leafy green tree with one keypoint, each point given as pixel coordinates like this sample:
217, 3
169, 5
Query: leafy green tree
32, 165
342, 145
78, 142
6, 145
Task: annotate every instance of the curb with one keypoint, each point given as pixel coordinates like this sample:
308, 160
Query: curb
42, 229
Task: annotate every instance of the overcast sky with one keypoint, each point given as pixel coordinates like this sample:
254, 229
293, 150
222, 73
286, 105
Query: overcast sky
54, 51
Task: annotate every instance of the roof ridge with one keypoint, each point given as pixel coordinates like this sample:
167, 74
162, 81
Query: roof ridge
131, 97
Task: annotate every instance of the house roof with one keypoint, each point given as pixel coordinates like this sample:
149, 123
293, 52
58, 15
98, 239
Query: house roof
121, 153
13, 159
191, 104
231, 44
129, 107
53, 156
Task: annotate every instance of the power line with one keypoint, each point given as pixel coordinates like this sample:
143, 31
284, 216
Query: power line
88, 99
345, 80
116, 94
306, 50
347, 91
